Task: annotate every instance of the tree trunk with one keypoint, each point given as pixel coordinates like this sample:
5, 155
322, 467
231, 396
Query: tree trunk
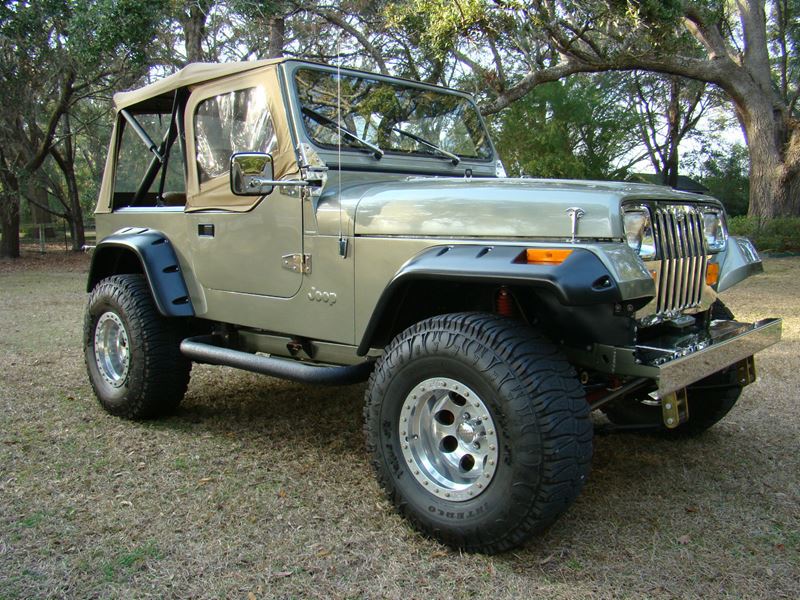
773, 140
9, 226
277, 37
75, 208
193, 23
673, 134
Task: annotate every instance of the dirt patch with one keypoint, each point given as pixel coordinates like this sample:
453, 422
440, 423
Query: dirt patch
54, 258
261, 488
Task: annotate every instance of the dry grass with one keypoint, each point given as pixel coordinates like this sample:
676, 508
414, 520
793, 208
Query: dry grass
262, 487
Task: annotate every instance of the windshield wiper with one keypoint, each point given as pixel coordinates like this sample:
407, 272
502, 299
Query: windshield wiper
431, 145
323, 120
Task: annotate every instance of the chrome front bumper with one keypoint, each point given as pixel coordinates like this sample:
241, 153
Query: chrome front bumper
675, 367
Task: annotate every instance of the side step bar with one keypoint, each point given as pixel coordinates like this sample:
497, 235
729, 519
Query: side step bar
206, 349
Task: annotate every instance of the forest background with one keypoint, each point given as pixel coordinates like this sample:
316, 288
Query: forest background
599, 89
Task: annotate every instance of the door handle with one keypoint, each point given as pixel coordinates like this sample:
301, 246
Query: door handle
205, 230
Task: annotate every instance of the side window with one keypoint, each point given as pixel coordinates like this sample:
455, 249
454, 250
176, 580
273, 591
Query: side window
234, 122
133, 161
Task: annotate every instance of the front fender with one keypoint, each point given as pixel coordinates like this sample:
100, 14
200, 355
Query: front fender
581, 280
741, 260
156, 257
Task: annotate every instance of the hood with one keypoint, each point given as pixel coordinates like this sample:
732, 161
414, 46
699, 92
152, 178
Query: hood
513, 208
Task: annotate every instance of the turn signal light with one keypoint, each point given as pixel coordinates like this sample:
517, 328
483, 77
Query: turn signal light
547, 256
712, 273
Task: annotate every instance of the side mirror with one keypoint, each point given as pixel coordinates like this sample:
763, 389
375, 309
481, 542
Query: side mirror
251, 174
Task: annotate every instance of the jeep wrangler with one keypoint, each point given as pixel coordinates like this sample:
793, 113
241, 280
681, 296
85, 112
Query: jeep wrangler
334, 226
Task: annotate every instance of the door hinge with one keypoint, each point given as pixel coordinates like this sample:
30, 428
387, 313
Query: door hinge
299, 263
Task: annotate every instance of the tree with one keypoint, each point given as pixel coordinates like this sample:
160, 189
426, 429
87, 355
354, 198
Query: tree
580, 128
53, 54
669, 109
748, 49
723, 170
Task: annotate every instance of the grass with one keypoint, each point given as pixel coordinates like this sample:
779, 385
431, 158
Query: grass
260, 486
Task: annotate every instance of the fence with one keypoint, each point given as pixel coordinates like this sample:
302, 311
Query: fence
51, 236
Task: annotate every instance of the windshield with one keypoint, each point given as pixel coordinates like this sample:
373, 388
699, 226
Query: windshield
391, 116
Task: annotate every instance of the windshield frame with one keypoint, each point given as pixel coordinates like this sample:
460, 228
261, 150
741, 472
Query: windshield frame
394, 160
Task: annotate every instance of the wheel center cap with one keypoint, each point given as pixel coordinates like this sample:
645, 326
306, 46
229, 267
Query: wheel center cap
466, 432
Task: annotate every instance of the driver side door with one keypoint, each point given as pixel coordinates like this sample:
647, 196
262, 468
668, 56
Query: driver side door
238, 242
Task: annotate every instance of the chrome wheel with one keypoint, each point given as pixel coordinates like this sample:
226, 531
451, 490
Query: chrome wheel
111, 351
448, 438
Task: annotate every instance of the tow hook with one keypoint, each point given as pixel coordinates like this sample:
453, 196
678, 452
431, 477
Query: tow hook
675, 408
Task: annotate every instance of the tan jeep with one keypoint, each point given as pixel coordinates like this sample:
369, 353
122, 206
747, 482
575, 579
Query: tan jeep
334, 226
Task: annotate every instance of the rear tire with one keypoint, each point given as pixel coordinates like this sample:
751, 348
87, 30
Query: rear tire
478, 429
131, 351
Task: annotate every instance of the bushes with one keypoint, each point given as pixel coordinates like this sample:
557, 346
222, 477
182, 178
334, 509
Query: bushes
777, 235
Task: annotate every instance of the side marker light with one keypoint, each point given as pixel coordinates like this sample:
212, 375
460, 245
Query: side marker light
547, 256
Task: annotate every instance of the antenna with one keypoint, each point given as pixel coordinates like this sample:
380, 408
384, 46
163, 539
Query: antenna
342, 237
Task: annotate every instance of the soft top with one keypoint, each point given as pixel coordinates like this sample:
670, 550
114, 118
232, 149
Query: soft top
191, 74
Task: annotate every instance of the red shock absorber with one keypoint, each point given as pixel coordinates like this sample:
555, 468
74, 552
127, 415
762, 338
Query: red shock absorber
504, 303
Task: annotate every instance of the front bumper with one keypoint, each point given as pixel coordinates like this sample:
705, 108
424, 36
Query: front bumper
674, 367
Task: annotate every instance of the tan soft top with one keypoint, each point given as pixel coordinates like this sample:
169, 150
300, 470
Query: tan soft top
189, 75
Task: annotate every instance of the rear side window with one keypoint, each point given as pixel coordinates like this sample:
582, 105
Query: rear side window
234, 122
134, 159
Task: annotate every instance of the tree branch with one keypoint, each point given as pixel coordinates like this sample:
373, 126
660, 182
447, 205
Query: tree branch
342, 24
61, 107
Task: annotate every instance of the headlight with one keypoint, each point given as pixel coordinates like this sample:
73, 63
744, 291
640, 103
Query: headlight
639, 231
714, 229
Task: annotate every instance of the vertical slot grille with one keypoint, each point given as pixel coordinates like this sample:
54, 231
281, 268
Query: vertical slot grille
681, 243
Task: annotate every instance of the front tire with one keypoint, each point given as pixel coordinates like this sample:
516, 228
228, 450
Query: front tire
131, 351
478, 429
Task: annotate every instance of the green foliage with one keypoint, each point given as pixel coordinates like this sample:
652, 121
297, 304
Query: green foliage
438, 23
99, 29
576, 128
776, 235
725, 173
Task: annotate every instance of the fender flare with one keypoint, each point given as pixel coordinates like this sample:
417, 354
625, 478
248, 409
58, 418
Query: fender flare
581, 280
740, 261
158, 261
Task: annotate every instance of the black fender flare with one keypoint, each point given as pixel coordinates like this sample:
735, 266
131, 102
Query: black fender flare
158, 262
581, 280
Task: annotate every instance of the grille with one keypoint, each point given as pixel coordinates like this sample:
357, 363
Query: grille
681, 243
